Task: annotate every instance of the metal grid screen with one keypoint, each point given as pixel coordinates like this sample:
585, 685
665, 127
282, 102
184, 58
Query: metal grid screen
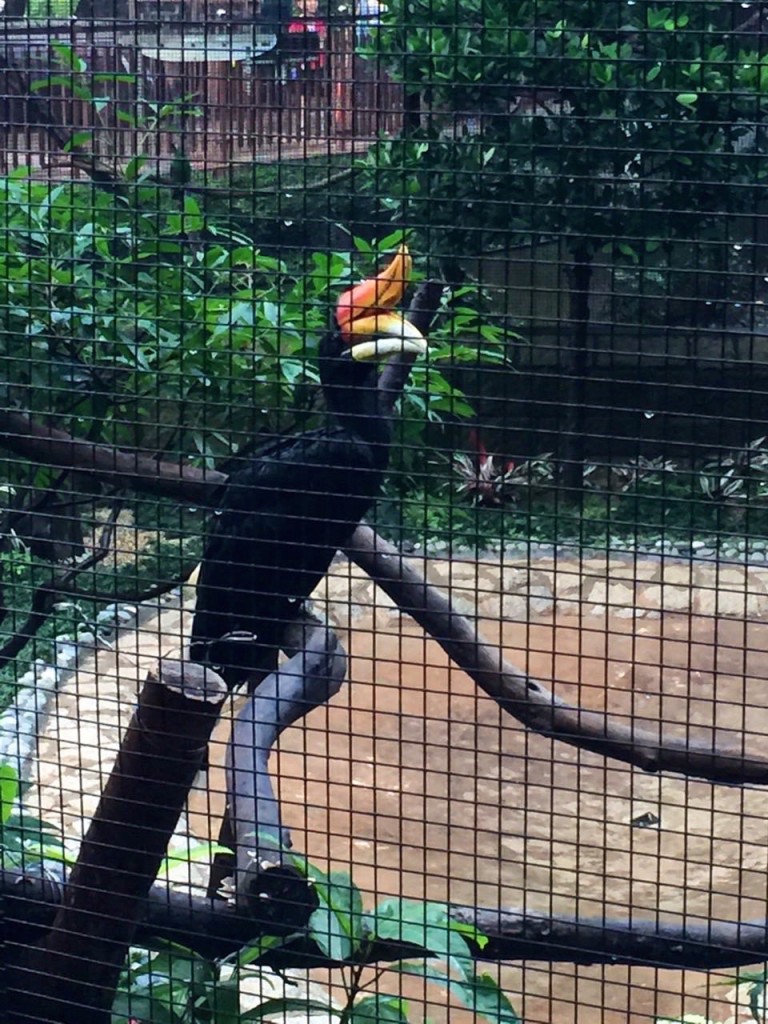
496, 753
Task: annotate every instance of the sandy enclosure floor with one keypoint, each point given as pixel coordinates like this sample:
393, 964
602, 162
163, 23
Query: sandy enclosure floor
419, 785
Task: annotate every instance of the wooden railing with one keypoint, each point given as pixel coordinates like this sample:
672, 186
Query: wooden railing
235, 112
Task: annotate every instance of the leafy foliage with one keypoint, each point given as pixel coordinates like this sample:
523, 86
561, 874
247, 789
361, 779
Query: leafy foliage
145, 320
620, 125
173, 985
146, 326
24, 839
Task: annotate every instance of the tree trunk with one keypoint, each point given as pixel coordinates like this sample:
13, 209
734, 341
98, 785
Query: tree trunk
576, 366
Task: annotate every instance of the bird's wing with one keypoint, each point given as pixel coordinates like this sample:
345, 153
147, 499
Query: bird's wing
273, 447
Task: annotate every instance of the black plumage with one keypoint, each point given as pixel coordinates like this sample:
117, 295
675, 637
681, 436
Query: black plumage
283, 518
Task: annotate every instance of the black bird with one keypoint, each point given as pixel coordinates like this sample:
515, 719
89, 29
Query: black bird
283, 518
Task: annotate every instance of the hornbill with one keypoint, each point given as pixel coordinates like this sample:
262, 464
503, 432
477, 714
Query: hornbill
283, 517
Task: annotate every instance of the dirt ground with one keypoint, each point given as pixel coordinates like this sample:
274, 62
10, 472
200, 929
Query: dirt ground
428, 790
417, 784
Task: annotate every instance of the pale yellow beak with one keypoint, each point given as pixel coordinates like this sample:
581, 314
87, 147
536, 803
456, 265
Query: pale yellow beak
386, 334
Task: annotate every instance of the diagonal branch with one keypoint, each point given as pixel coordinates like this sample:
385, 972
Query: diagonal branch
522, 697
528, 700
517, 693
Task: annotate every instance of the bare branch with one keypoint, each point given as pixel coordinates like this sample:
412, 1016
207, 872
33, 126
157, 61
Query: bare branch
528, 700
46, 595
524, 698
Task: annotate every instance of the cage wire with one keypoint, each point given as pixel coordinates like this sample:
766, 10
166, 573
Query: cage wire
520, 770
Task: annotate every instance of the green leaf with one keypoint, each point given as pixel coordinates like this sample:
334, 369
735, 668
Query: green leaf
9, 792
196, 853
193, 218
379, 1009
68, 58
337, 924
484, 997
392, 241
255, 950
427, 925
328, 931
224, 998
687, 99
133, 167
362, 246
127, 1008
286, 1005
757, 1000
76, 140
45, 83
479, 993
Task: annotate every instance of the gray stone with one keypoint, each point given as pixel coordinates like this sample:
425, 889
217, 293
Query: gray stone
514, 608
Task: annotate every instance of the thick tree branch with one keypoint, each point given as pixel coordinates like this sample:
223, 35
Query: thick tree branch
524, 698
528, 700
519, 695
52, 447
216, 929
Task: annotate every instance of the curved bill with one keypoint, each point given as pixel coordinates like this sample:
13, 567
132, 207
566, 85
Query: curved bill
384, 335
365, 319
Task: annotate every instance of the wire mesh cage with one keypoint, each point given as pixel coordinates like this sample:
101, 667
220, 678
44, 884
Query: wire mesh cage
384, 551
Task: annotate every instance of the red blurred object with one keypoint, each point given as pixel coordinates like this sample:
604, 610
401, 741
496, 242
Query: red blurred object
480, 477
